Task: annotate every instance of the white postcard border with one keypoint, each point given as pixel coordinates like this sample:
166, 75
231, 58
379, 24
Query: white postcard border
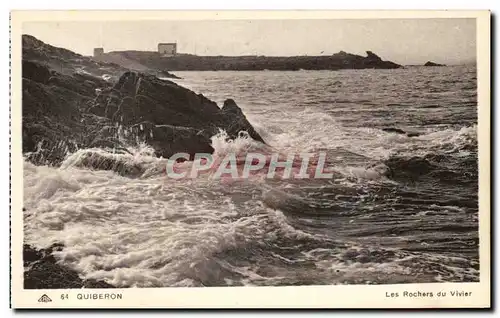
345, 296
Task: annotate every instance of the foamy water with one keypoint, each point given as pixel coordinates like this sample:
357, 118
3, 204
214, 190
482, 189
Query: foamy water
375, 222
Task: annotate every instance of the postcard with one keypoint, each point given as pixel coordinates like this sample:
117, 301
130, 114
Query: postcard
250, 159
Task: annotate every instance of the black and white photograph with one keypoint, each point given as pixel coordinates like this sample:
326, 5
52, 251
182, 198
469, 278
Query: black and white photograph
199, 153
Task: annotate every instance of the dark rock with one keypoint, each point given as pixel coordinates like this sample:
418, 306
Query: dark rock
48, 275
429, 63
401, 131
413, 134
394, 130
188, 62
403, 167
184, 120
91, 80
30, 254
36, 72
53, 113
43, 272
138, 97
98, 161
168, 140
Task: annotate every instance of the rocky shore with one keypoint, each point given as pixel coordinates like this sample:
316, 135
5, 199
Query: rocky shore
72, 102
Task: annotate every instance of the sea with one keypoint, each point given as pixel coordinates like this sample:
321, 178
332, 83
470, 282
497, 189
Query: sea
402, 208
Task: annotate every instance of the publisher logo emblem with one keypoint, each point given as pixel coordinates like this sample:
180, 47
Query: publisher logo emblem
44, 299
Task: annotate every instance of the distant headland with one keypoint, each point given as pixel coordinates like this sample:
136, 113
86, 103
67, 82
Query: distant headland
429, 63
174, 61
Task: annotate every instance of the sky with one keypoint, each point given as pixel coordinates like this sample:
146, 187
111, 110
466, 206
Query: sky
404, 41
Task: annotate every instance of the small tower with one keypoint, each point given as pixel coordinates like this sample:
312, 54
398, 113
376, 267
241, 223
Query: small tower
98, 51
167, 49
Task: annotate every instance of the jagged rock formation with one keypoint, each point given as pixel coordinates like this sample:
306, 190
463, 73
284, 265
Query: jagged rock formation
63, 112
169, 117
53, 108
401, 132
187, 62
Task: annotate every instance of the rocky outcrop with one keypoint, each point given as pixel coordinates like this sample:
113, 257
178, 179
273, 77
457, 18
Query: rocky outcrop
138, 97
42, 271
234, 121
373, 57
188, 62
170, 117
54, 118
168, 140
167, 74
63, 112
401, 132
407, 168
429, 63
